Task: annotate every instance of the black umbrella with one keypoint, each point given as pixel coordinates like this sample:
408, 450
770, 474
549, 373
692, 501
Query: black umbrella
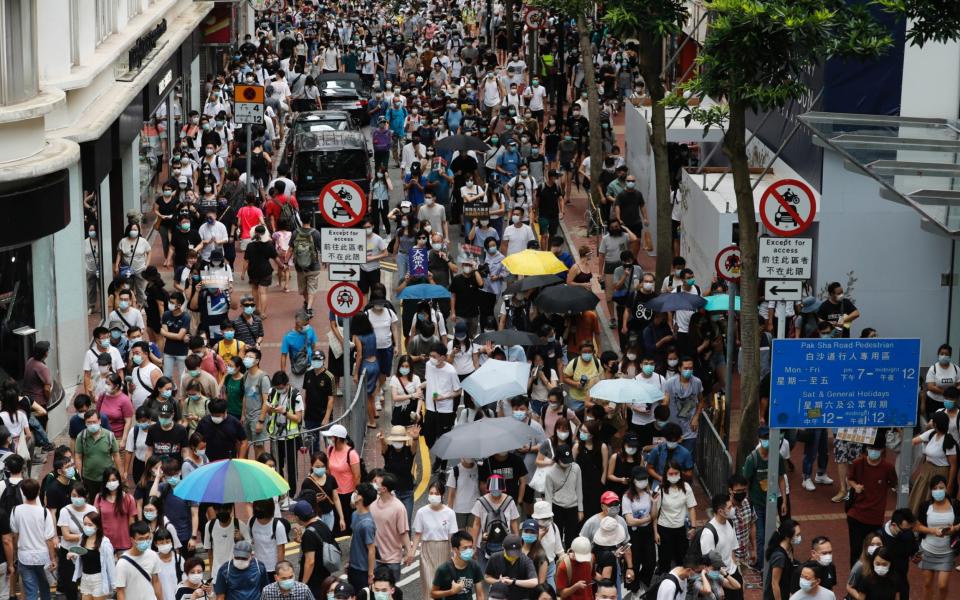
460, 143
532, 282
676, 301
566, 299
510, 337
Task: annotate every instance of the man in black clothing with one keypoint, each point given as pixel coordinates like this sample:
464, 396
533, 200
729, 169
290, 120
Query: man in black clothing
899, 540
515, 566
315, 535
630, 208
838, 311
464, 296
223, 433
549, 207
318, 386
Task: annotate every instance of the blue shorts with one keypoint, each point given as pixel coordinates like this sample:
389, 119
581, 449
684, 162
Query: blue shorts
373, 374
385, 360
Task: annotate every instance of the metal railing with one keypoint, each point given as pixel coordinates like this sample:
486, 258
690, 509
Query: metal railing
353, 418
713, 463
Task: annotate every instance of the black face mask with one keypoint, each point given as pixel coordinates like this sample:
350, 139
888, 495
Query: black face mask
223, 516
739, 497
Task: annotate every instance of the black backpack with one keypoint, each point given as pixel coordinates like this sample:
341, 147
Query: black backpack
518, 317
10, 498
693, 551
654, 588
496, 528
273, 530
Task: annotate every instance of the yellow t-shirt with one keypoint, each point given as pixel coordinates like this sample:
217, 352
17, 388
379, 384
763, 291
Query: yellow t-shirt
578, 368
227, 350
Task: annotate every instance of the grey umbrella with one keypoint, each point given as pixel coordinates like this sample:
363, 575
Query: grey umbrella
484, 438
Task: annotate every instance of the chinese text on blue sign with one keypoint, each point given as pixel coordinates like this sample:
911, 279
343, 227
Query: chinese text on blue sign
837, 382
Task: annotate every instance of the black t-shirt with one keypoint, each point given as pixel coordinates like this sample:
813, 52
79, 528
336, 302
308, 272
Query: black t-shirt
400, 463
167, 443
831, 311
640, 315
630, 202
522, 568
317, 387
466, 289
56, 495
511, 468
181, 241
314, 536
875, 587
469, 576
604, 558
550, 198
221, 439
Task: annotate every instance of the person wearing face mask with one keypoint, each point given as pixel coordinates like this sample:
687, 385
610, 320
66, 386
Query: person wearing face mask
286, 586
900, 544
838, 310
754, 469
623, 463
96, 450
434, 525
718, 536
242, 578
92, 267
781, 565
134, 563
460, 577
879, 581
171, 565
248, 324
684, 394
941, 376
810, 578
869, 479
96, 570
580, 374
938, 523
132, 257
175, 328
562, 487
518, 235
511, 569
940, 458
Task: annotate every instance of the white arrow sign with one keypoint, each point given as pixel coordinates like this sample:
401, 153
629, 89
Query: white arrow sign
343, 272
782, 289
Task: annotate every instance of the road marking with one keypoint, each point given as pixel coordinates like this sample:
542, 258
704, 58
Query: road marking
426, 468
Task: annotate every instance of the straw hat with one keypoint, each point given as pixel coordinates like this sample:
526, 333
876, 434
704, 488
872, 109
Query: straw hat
398, 433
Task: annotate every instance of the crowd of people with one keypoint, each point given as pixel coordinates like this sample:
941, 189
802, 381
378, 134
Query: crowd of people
600, 505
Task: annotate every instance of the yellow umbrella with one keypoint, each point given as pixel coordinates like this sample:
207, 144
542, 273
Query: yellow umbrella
534, 262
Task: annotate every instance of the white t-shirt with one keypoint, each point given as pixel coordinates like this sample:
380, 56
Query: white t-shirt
674, 506
65, 520
441, 381
17, 425
682, 317
220, 539
375, 245
143, 375
382, 322
518, 237
167, 574
265, 540
137, 443
34, 526
435, 525
933, 449
942, 378
132, 318
725, 545
463, 359
656, 382
535, 97
134, 584
467, 485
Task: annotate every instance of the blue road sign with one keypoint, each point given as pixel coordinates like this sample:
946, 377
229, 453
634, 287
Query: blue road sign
837, 382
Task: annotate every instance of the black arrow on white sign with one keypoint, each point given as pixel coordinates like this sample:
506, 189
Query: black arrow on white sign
351, 272
777, 290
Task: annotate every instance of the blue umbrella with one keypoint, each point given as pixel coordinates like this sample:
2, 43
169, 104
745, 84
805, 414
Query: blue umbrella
673, 302
423, 291
497, 380
721, 302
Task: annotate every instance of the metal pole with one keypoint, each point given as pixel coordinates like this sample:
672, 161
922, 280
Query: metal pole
347, 372
773, 452
249, 156
731, 346
905, 467
561, 67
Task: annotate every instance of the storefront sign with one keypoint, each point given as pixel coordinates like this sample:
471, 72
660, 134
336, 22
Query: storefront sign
144, 45
164, 82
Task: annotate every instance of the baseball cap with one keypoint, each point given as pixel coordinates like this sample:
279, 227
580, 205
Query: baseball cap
216, 255
343, 590
166, 410
609, 498
530, 525
581, 549
763, 432
242, 549
460, 330
512, 542
337, 431
564, 454
303, 510
715, 560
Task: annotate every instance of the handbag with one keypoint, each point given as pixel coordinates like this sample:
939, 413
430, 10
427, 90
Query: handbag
539, 480
336, 348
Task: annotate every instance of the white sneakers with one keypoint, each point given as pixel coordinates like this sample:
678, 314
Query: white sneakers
808, 485
823, 479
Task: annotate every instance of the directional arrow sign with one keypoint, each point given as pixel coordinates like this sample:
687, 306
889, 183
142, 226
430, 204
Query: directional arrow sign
780, 289
343, 272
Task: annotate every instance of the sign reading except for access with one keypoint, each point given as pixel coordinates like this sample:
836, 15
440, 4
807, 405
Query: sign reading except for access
844, 382
342, 203
727, 263
788, 207
782, 290
346, 246
343, 272
345, 299
785, 258
248, 104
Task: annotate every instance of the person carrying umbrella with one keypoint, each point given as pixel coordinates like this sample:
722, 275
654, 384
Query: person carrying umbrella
443, 387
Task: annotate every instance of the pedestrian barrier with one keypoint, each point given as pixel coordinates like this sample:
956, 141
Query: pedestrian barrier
713, 463
353, 418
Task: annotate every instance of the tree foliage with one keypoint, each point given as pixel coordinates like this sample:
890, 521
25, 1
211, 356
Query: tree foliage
930, 20
638, 18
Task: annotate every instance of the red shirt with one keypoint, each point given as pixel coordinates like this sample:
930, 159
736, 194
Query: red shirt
274, 205
249, 218
876, 480
582, 571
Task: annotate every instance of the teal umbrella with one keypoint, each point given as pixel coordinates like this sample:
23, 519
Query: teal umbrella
721, 302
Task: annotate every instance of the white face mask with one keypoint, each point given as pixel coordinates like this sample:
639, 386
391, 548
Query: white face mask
397, 445
673, 478
563, 435
434, 499
113, 485
825, 559
164, 548
881, 570
640, 485
672, 362
195, 578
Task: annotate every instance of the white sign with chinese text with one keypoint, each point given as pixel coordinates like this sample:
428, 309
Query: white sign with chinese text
343, 246
786, 258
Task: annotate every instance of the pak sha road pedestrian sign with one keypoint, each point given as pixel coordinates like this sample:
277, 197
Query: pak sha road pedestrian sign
345, 299
844, 382
788, 207
343, 203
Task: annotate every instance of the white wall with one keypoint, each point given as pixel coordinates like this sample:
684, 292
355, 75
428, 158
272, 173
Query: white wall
639, 159
931, 81
897, 265
130, 165
706, 227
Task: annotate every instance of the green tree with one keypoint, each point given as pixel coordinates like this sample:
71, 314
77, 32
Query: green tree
930, 20
650, 21
582, 11
754, 58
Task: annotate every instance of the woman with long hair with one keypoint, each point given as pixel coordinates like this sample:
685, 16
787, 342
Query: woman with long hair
158, 522
864, 565
938, 520
593, 457
95, 568
323, 486
365, 341
343, 462
117, 509
940, 458
407, 393
639, 508
780, 561
882, 582
676, 508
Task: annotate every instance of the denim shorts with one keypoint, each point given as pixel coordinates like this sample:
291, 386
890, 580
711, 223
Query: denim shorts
385, 360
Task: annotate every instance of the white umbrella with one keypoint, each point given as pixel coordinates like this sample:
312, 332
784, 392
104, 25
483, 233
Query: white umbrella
625, 391
497, 380
483, 438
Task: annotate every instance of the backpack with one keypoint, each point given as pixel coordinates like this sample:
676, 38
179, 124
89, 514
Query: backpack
304, 250
654, 588
273, 530
496, 528
693, 550
10, 498
353, 448
288, 213
331, 556
518, 317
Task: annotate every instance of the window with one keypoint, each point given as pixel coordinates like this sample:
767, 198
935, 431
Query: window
134, 8
74, 8
106, 19
18, 51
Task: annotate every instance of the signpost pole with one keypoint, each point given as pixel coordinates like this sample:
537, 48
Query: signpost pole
905, 467
249, 157
731, 348
347, 373
773, 453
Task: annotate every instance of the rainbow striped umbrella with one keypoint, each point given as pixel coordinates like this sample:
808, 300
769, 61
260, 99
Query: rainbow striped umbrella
232, 480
